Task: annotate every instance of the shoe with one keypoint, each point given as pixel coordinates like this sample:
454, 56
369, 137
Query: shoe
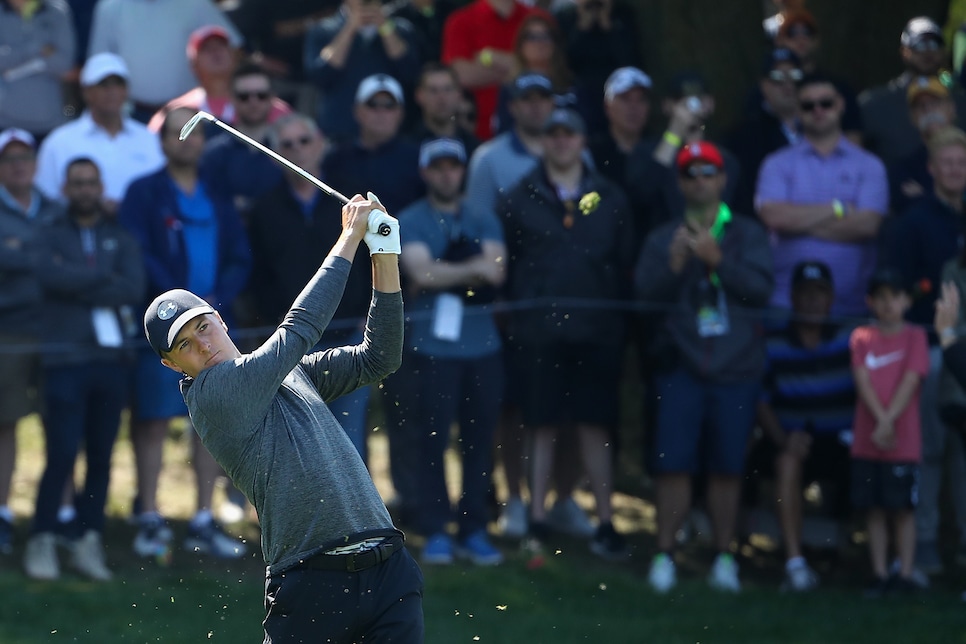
878, 588
210, 539
231, 512
87, 556
6, 536
928, 559
724, 574
903, 586
918, 577
568, 517
609, 544
513, 521
154, 536
438, 550
40, 559
478, 549
663, 575
800, 579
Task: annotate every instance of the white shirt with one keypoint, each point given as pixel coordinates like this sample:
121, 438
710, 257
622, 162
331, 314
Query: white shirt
131, 153
151, 37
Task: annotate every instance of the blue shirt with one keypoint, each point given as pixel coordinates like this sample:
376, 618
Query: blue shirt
200, 238
421, 223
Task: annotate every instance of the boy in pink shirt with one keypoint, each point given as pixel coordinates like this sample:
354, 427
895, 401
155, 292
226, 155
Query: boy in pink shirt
889, 360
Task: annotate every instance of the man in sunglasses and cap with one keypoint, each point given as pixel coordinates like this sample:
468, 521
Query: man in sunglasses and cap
709, 272
336, 563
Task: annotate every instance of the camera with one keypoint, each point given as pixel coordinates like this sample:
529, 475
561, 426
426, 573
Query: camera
694, 104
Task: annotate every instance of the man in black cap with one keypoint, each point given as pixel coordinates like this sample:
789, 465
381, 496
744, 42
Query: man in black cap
805, 411
886, 128
336, 563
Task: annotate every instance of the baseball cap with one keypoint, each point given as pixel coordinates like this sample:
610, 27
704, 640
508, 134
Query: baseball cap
795, 18
201, 34
888, 277
167, 315
624, 79
100, 66
372, 85
436, 149
15, 134
699, 151
565, 118
687, 83
925, 85
778, 56
919, 29
811, 271
531, 83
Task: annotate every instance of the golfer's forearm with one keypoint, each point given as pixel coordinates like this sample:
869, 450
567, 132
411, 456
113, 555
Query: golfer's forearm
345, 247
385, 273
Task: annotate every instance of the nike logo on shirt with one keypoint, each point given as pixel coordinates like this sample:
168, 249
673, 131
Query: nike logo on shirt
873, 361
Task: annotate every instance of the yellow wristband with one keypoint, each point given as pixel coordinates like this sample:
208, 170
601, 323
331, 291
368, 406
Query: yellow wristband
387, 28
486, 57
838, 208
672, 139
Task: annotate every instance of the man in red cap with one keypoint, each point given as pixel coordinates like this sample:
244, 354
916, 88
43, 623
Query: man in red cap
709, 274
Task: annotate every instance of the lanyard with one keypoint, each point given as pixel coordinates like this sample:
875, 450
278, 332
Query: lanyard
717, 230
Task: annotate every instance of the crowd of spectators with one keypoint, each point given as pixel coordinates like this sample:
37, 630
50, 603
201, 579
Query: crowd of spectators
776, 286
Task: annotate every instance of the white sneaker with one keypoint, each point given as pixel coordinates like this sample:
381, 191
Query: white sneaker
568, 517
724, 574
800, 579
663, 575
87, 556
513, 521
210, 539
154, 536
40, 558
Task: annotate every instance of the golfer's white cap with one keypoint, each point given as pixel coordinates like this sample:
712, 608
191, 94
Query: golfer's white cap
100, 66
372, 85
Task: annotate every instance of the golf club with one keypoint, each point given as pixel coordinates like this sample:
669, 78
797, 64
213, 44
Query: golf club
205, 116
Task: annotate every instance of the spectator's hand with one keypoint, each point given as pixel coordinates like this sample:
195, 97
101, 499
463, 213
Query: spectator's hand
704, 246
911, 188
884, 435
687, 122
370, 13
680, 250
947, 309
488, 271
798, 443
378, 217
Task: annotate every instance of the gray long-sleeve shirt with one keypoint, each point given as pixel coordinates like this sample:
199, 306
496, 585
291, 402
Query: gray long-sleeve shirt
263, 417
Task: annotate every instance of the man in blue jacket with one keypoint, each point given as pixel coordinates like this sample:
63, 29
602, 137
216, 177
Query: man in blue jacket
191, 237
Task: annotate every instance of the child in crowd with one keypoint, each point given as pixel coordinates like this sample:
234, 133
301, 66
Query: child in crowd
889, 360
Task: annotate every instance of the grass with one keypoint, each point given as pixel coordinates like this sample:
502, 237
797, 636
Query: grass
571, 598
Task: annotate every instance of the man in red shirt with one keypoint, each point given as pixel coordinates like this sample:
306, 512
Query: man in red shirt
477, 44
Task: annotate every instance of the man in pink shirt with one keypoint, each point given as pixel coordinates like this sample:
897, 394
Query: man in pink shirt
214, 60
889, 361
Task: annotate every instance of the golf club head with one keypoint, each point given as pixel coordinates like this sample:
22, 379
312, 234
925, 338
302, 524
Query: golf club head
384, 229
192, 122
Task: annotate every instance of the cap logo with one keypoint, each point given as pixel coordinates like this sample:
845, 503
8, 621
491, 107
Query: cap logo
166, 310
695, 149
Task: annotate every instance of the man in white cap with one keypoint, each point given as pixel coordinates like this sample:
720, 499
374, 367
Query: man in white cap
123, 148
627, 105
23, 210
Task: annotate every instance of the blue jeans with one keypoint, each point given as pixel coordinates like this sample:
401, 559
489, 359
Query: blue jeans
81, 403
470, 392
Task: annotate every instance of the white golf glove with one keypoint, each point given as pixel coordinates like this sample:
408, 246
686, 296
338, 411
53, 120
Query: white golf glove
376, 242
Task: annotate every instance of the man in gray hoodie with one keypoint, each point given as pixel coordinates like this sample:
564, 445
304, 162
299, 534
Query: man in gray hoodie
337, 569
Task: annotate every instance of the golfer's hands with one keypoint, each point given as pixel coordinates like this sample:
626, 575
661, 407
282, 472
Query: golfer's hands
375, 240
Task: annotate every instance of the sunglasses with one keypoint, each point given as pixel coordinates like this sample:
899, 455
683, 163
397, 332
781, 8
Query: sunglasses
247, 96
791, 76
288, 144
26, 157
537, 36
699, 170
825, 104
382, 105
926, 45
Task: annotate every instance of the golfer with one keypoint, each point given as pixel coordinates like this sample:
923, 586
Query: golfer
337, 570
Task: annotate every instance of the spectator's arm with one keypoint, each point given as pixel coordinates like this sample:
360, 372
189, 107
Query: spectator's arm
62, 51
474, 68
863, 387
426, 272
394, 42
47, 178
904, 393
104, 28
654, 280
793, 218
769, 423
854, 227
